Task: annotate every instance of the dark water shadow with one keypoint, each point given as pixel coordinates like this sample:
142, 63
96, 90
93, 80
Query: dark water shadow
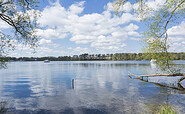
4, 107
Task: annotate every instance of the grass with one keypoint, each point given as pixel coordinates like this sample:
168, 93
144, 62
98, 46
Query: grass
166, 109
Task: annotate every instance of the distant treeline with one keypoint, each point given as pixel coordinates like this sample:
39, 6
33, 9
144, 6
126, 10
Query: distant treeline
86, 56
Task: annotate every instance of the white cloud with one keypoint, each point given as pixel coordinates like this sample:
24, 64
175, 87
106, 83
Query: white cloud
131, 27
79, 50
108, 43
127, 7
109, 7
53, 16
82, 39
103, 32
119, 34
177, 47
155, 4
135, 38
44, 41
177, 30
133, 33
149, 7
100, 31
88, 28
4, 25
176, 37
51, 34
76, 8
43, 50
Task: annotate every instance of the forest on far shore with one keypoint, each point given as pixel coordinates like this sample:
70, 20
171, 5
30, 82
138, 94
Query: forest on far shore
89, 57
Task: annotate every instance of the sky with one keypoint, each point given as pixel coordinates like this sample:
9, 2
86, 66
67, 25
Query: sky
73, 27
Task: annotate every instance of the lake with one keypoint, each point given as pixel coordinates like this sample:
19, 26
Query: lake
86, 87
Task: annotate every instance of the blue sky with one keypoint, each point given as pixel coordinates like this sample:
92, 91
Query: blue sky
69, 27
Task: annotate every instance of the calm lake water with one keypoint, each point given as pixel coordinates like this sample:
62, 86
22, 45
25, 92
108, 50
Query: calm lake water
99, 87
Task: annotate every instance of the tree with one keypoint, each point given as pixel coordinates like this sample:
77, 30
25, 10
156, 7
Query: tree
156, 35
21, 16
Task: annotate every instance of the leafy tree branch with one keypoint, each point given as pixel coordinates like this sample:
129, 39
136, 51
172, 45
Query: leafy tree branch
21, 16
157, 21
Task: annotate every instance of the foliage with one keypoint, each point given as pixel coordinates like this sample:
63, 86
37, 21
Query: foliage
21, 16
157, 21
114, 57
166, 109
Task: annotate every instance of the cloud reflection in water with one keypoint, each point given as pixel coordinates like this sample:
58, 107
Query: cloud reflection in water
99, 87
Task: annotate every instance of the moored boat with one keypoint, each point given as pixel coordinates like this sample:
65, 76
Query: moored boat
46, 61
153, 61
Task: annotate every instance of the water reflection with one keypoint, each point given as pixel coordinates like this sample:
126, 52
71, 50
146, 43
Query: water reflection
81, 87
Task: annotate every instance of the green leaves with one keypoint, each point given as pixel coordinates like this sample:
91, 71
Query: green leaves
21, 15
155, 37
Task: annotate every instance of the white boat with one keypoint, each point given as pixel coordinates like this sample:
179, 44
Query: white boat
46, 61
153, 60
153, 63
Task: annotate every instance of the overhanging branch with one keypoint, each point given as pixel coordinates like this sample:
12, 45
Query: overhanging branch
10, 21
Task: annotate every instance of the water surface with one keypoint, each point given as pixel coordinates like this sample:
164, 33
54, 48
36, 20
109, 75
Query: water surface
99, 87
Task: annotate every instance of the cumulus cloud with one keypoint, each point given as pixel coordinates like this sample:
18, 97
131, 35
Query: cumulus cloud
80, 50
101, 31
4, 25
53, 16
82, 39
51, 34
104, 31
47, 48
155, 4
127, 7
133, 33
76, 8
44, 41
177, 30
176, 37
131, 27
109, 42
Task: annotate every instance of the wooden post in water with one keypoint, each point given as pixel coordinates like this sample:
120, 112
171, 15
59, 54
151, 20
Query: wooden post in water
73, 84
